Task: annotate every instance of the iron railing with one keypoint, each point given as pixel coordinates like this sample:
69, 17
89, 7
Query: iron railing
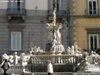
16, 12
60, 13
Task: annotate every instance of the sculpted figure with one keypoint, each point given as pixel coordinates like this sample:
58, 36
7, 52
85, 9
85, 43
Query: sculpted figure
5, 56
16, 58
24, 60
55, 35
58, 35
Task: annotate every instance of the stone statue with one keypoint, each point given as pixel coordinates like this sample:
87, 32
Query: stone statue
77, 48
53, 27
72, 50
53, 45
69, 50
5, 56
16, 58
54, 14
55, 35
24, 61
58, 35
11, 59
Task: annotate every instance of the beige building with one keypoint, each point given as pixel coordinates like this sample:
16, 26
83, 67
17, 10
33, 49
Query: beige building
86, 24
23, 23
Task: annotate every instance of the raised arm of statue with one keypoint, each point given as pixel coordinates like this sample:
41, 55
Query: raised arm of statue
54, 14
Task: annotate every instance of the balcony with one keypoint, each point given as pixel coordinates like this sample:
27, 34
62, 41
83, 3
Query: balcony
92, 13
60, 13
14, 12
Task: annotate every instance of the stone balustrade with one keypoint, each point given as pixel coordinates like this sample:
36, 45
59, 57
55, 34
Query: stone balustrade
39, 62
56, 59
60, 62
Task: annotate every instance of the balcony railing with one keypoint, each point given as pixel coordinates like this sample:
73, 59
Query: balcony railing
16, 12
89, 12
60, 13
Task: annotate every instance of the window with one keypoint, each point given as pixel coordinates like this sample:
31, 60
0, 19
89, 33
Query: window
92, 7
16, 4
16, 38
12, 4
93, 41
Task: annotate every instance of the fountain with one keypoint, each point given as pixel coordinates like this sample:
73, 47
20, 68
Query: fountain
56, 50
54, 37
92, 62
57, 53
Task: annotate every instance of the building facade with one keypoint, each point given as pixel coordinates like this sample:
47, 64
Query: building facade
86, 24
23, 23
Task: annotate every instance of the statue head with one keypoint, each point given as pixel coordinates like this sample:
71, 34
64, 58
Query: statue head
15, 53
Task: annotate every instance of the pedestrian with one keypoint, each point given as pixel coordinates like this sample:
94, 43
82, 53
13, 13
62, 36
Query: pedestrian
5, 66
50, 68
